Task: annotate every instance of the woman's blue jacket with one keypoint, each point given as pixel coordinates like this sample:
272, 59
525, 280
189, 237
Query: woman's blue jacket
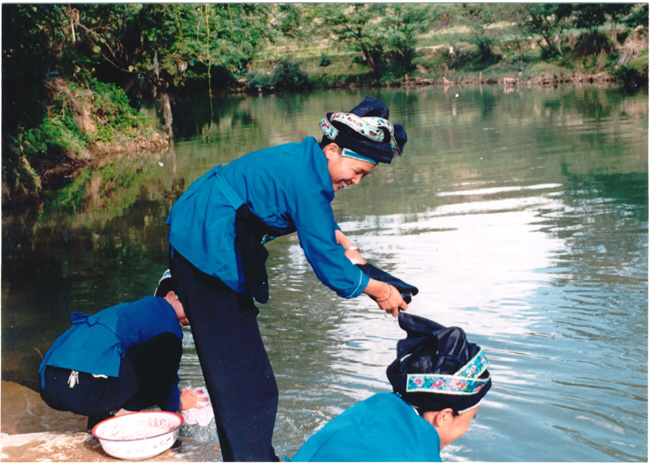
289, 188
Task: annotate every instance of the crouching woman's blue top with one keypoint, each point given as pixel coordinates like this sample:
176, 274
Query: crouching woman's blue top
381, 428
96, 343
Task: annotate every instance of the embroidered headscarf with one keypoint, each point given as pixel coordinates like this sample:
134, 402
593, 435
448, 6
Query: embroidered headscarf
365, 132
165, 284
437, 368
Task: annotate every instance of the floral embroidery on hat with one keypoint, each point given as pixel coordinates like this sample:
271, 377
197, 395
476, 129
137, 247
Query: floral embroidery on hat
367, 126
465, 381
328, 129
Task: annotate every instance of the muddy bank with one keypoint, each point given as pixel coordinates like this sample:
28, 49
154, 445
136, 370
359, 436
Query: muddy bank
32, 431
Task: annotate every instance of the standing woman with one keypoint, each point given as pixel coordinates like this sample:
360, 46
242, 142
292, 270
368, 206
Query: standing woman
217, 230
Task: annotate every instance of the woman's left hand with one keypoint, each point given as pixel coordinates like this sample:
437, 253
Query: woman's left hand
351, 251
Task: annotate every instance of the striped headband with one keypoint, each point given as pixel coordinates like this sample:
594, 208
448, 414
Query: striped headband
372, 128
465, 381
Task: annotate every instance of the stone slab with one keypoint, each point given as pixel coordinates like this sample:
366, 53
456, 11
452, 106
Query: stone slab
81, 446
32, 431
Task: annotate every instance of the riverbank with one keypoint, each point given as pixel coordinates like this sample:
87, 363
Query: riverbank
32, 431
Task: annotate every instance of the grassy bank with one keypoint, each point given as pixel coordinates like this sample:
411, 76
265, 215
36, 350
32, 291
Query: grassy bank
456, 57
81, 124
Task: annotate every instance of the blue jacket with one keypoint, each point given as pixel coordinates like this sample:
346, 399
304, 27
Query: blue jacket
95, 344
289, 188
381, 428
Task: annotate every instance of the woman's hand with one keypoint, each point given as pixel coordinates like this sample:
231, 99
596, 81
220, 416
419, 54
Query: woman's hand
387, 297
192, 398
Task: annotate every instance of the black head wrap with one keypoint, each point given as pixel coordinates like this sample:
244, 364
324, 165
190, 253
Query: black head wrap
363, 143
165, 285
437, 367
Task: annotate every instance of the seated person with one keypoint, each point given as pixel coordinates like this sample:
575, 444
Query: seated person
438, 379
123, 358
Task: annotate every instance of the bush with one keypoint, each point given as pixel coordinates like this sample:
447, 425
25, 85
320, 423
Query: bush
591, 43
477, 58
287, 75
638, 17
325, 60
630, 77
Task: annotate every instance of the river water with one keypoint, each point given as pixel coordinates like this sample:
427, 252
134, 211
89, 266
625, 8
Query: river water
522, 217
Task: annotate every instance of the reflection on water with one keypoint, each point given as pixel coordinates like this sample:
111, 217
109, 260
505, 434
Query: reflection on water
521, 217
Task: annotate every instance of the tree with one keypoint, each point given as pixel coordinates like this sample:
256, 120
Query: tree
353, 25
616, 12
546, 20
478, 17
589, 16
386, 35
404, 23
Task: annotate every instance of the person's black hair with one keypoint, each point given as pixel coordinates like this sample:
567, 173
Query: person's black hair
325, 141
164, 287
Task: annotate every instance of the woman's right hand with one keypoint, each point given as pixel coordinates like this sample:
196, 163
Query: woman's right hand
387, 297
192, 398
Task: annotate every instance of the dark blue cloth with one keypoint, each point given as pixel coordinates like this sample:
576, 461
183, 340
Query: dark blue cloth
289, 188
95, 344
381, 428
432, 348
406, 290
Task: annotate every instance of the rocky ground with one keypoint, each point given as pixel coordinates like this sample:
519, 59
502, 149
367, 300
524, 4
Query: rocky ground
32, 431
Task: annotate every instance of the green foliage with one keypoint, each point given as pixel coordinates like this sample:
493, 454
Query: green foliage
591, 43
630, 77
638, 16
486, 57
384, 36
62, 134
287, 75
589, 16
473, 59
546, 21
114, 115
325, 60
20, 182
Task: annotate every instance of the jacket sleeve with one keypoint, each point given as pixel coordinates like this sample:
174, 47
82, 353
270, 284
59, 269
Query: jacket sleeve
314, 220
174, 398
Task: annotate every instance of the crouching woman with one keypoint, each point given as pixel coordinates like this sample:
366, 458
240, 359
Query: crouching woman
123, 358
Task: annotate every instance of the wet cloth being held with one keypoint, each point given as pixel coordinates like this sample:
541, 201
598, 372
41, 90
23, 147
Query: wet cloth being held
437, 367
405, 289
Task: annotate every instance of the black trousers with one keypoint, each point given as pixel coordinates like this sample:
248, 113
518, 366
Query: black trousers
236, 367
147, 373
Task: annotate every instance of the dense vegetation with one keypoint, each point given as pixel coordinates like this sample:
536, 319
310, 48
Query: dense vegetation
74, 75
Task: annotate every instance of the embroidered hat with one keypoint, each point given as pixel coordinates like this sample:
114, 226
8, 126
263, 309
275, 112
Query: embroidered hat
365, 132
165, 284
437, 368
